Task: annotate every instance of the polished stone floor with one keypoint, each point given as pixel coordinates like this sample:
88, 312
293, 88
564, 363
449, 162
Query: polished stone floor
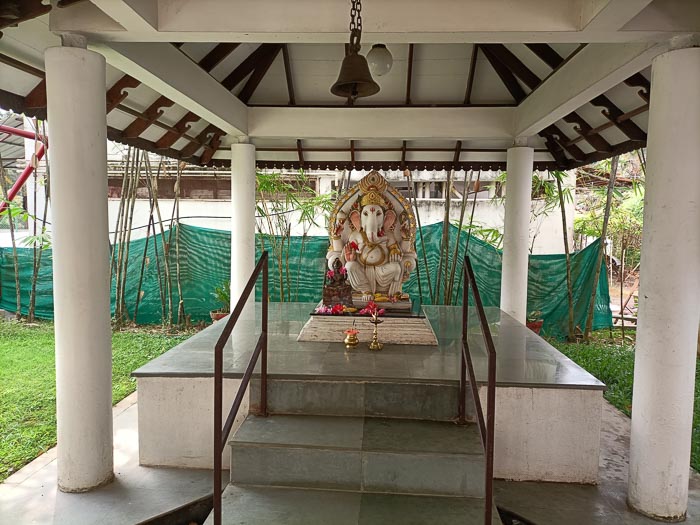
30, 495
523, 358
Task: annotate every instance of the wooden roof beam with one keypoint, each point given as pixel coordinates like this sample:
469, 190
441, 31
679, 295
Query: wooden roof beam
409, 74
613, 114
259, 72
470, 74
150, 116
246, 67
288, 75
217, 55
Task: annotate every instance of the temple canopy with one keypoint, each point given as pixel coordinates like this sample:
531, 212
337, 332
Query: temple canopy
186, 79
484, 84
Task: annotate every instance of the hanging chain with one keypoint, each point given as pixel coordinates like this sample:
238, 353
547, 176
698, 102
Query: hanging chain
355, 25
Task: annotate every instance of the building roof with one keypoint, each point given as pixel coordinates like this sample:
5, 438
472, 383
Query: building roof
447, 103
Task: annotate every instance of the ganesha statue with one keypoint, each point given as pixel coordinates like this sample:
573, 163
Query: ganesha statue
372, 231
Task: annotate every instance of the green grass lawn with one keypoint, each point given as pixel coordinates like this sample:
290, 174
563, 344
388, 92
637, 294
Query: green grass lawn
28, 384
613, 364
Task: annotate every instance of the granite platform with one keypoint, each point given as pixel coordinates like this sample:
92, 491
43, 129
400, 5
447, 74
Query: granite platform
548, 409
523, 358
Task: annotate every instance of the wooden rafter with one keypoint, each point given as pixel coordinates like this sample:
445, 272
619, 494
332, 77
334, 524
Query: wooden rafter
531, 80
409, 74
300, 154
248, 65
470, 75
117, 93
506, 75
201, 141
547, 54
261, 68
288, 75
638, 80
180, 129
614, 114
586, 133
458, 152
209, 62
24, 10
37, 96
513, 63
217, 55
150, 116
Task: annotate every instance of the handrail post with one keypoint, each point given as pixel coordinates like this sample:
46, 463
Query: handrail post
221, 431
462, 412
218, 402
263, 357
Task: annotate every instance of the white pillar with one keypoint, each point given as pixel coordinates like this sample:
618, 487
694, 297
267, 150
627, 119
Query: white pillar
516, 232
75, 89
242, 218
669, 293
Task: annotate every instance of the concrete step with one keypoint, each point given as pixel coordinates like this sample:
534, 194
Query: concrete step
431, 401
381, 455
247, 505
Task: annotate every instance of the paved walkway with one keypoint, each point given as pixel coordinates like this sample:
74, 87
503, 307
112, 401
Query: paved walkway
605, 503
30, 495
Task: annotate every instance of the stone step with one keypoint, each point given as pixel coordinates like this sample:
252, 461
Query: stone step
246, 505
397, 456
431, 401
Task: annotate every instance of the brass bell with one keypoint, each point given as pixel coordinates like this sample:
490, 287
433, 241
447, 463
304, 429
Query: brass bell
354, 79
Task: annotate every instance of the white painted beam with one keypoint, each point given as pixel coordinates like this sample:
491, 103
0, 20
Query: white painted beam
165, 69
388, 21
609, 15
132, 15
591, 72
404, 123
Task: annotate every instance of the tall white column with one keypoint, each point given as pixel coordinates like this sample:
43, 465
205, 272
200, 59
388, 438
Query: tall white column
242, 218
75, 89
516, 232
669, 292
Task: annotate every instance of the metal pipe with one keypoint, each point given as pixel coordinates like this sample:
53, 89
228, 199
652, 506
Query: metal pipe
221, 432
26, 173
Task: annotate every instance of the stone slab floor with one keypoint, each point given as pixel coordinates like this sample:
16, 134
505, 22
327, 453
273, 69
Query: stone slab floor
605, 503
30, 495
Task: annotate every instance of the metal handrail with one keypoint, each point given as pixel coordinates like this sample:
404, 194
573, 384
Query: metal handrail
221, 433
486, 429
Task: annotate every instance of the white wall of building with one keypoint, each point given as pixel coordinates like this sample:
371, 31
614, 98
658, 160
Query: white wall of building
545, 229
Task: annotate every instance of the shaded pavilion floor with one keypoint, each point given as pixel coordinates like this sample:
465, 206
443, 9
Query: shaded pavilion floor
30, 496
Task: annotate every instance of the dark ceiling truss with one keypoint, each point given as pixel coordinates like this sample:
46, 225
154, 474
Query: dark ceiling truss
509, 68
518, 79
17, 11
470, 75
409, 75
288, 75
252, 62
34, 104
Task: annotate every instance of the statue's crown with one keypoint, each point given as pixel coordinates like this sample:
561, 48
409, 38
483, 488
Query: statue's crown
373, 197
372, 186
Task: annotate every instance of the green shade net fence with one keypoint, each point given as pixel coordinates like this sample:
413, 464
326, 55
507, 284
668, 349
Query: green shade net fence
205, 264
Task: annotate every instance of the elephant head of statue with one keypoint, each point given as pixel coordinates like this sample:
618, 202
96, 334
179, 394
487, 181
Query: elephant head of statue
373, 218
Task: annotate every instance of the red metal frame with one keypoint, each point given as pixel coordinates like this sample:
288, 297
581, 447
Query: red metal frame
29, 169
